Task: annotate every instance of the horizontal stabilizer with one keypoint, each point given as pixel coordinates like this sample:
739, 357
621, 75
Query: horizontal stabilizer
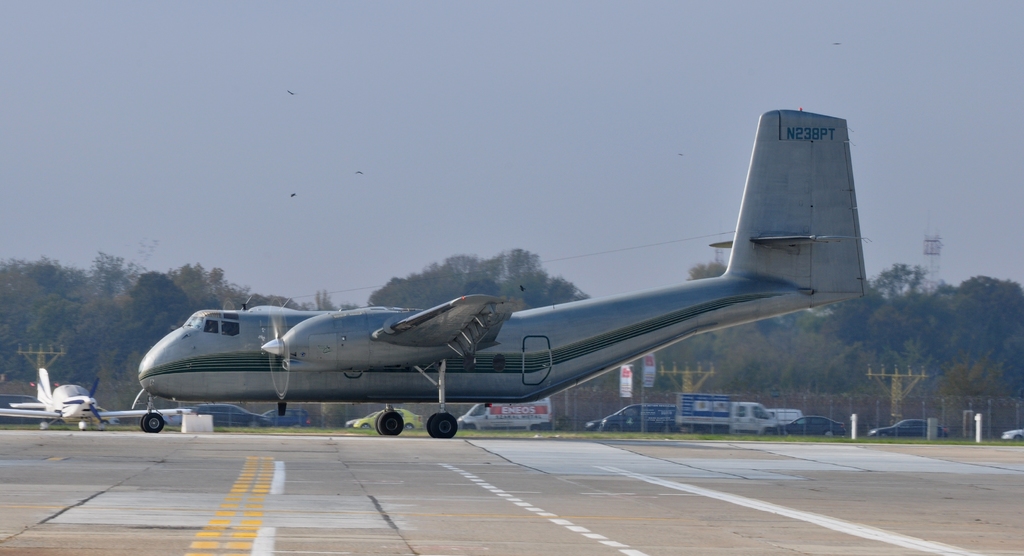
792, 241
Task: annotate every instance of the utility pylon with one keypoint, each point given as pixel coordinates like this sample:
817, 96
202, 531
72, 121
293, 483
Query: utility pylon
688, 385
41, 361
898, 389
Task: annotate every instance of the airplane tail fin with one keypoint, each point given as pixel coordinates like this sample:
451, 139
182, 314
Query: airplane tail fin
798, 222
43, 391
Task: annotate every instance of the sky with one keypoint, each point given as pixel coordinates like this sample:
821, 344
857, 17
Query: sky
610, 138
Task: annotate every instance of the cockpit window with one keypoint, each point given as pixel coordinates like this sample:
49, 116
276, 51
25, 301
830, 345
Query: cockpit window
232, 316
194, 322
211, 326
229, 328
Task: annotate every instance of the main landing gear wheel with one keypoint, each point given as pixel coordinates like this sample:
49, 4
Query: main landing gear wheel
390, 423
442, 425
152, 422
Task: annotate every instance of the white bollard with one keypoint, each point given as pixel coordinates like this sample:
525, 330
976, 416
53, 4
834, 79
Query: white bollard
977, 427
853, 427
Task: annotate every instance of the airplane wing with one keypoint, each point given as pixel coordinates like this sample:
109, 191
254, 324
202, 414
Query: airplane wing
141, 412
28, 405
33, 413
477, 318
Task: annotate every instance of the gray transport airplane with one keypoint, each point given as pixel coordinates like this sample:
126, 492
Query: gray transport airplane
797, 246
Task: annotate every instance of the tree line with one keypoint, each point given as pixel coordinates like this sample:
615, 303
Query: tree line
968, 338
107, 316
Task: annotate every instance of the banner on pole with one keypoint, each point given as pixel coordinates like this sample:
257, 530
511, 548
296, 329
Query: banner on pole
649, 371
626, 381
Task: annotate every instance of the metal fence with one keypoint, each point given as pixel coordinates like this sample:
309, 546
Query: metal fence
574, 407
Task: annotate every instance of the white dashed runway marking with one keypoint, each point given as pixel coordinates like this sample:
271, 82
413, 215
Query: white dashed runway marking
553, 518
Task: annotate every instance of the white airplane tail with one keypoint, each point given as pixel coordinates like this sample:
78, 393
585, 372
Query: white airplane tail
43, 391
798, 222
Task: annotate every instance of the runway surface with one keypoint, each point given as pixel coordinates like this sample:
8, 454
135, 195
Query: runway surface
173, 494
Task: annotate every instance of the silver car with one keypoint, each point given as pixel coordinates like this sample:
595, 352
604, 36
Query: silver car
1016, 434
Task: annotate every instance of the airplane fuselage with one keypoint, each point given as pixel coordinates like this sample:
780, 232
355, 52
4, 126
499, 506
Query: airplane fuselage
537, 352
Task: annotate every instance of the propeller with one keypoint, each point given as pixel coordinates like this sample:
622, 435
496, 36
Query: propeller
92, 400
278, 347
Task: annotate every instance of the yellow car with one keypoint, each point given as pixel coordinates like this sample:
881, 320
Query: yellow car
412, 421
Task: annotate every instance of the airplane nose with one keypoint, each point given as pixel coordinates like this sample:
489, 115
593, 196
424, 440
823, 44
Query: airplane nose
275, 346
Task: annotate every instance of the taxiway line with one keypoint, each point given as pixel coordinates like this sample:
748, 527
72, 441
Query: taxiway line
850, 528
236, 529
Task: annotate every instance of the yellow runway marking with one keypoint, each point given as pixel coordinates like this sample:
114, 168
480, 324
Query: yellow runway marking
248, 491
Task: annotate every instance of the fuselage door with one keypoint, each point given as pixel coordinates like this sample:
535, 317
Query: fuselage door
537, 359
353, 342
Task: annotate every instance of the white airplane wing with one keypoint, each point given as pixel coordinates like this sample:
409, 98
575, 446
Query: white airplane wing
141, 412
28, 405
34, 413
484, 314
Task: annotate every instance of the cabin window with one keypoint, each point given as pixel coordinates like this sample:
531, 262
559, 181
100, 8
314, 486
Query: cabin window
229, 328
211, 326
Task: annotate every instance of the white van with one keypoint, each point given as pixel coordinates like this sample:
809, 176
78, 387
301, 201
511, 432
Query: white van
785, 416
535, 416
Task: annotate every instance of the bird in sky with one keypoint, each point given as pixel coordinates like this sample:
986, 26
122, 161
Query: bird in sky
836, 43
521, 288
290, 93
358, 172
293, 194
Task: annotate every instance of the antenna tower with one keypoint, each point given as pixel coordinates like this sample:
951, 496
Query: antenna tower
933, 254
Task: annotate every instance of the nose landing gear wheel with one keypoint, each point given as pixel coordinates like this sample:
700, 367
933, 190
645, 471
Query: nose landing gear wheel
390, 423
442, 425
152, 422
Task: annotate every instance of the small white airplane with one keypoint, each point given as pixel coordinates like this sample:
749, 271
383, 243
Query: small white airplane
71, 402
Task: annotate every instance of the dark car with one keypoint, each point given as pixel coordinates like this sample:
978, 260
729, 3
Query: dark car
908, 428
660, 417
815, 425
227, 415
291, 418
